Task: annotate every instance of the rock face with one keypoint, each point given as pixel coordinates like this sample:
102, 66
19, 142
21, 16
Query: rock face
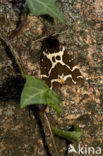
83, 38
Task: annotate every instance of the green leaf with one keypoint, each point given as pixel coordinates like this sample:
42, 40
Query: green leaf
37, 92
44, 7
68, 135
54, 101
77, 128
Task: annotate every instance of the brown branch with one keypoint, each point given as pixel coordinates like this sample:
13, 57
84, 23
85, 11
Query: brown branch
51, 134
14, 53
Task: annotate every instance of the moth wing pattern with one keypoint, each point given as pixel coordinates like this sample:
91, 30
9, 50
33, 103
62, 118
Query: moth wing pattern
57, 66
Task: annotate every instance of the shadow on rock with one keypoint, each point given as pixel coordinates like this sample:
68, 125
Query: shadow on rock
11, 89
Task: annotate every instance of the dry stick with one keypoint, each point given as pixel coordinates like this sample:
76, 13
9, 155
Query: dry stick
19, 28
14, 53
23, 72
51, 134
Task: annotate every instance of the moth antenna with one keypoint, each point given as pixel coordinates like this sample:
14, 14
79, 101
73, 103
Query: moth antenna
55, 34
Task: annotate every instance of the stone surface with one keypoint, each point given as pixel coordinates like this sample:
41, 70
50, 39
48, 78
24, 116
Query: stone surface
83, 37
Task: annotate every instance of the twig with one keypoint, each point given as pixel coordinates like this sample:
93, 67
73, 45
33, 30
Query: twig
14, 53
19, 26
51, 134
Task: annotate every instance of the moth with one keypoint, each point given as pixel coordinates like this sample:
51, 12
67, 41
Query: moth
57, 66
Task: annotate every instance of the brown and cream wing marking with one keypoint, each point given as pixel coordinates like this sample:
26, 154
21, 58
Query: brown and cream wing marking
57, 67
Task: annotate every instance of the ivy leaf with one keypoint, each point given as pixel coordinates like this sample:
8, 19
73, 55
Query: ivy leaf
44, 7
37, 92
77, 128
68, 135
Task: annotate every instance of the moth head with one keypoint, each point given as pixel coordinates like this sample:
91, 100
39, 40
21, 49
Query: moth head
51, 44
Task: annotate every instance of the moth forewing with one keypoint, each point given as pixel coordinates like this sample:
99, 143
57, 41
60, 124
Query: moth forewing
57, 66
